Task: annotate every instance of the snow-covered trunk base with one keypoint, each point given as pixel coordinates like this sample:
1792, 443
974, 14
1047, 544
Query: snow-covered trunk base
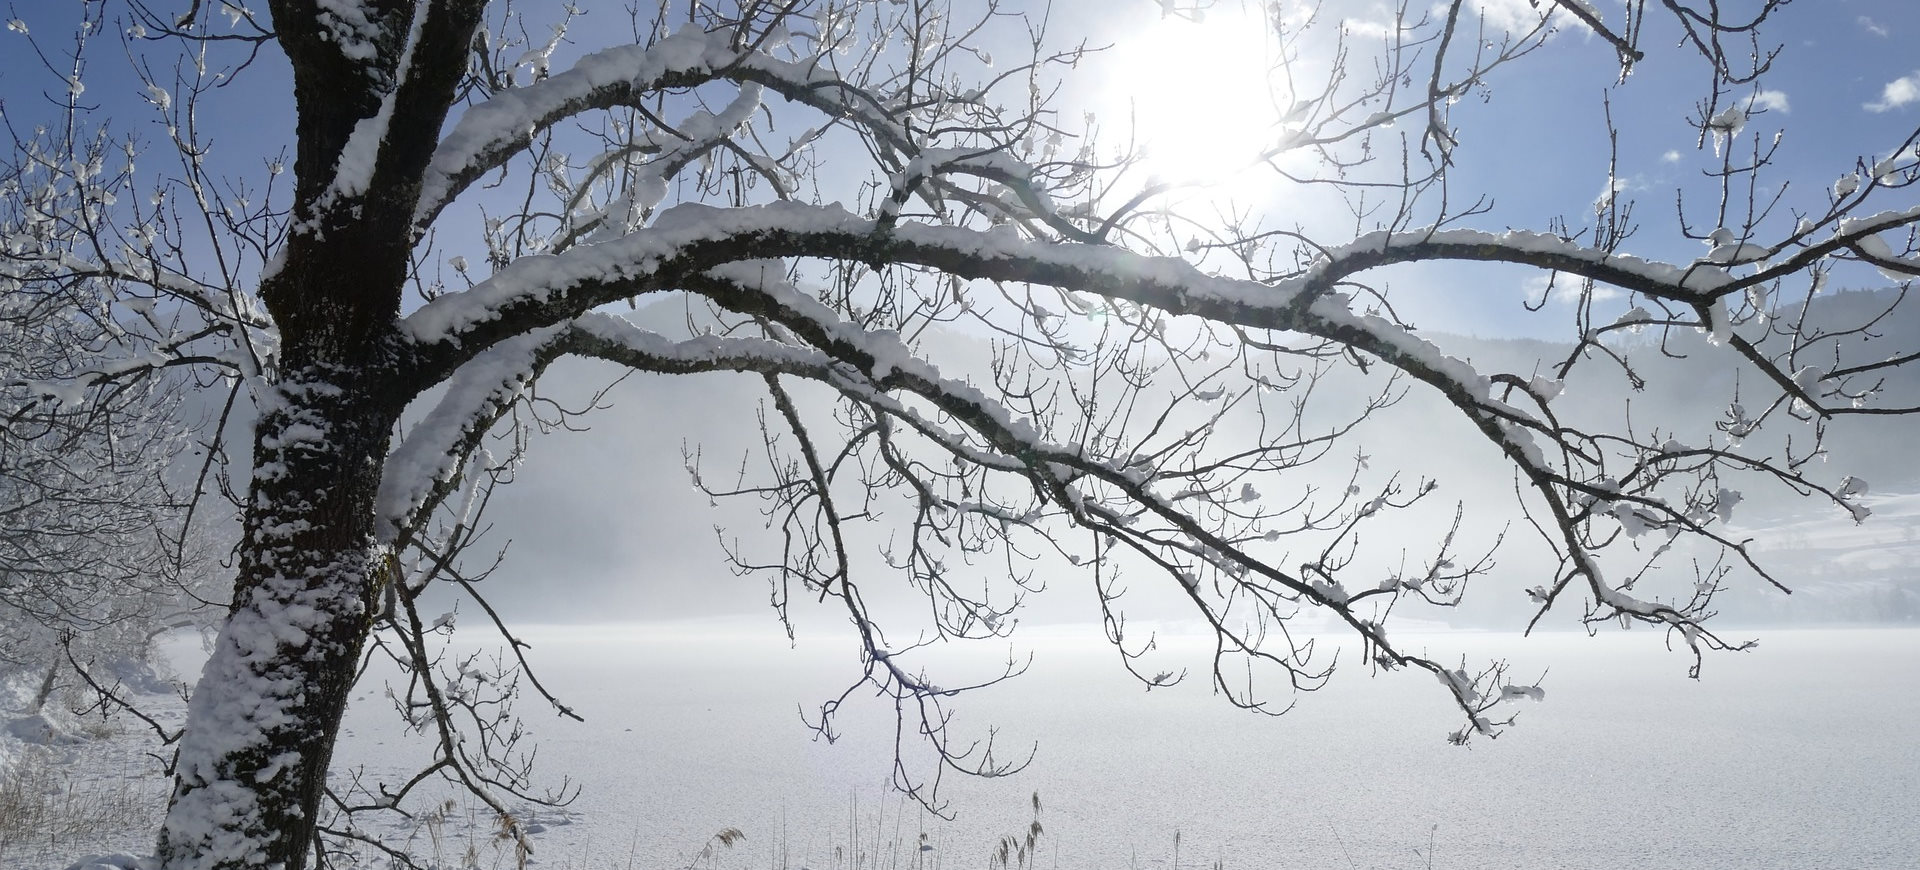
261, 724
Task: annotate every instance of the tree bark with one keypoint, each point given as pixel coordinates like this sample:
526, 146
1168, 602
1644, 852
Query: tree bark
252, 768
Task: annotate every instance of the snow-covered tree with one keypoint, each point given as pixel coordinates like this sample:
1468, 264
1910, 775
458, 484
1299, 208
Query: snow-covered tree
95, 559
827, 184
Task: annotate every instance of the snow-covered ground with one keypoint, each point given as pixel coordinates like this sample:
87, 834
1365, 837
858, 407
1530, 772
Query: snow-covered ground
1797, 755
74, 783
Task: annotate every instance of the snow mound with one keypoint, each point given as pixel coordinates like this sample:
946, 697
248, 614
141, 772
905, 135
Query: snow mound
114, 862
39, 730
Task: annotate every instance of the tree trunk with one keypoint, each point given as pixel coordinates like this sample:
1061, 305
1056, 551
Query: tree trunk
261, 725
252, 768
47, 685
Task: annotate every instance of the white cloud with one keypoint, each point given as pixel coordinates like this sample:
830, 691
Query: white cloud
1671, 156
1873, 27
1520, 16
1897, 93
1366, 29
1605, 200
1563, 289
1770, 101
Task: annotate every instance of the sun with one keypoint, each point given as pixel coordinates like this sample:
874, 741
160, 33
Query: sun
1200, 93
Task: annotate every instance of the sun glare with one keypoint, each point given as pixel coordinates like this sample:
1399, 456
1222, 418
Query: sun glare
1199, 95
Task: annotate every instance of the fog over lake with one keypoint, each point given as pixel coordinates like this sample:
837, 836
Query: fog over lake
1799, 754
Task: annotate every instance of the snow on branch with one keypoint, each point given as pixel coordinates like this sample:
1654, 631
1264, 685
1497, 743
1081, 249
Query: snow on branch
489, 133
424, 467
426, 464
360, 156
493, 131
693, 138
690, 238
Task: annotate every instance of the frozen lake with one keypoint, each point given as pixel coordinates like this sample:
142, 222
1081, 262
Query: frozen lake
1800, 754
